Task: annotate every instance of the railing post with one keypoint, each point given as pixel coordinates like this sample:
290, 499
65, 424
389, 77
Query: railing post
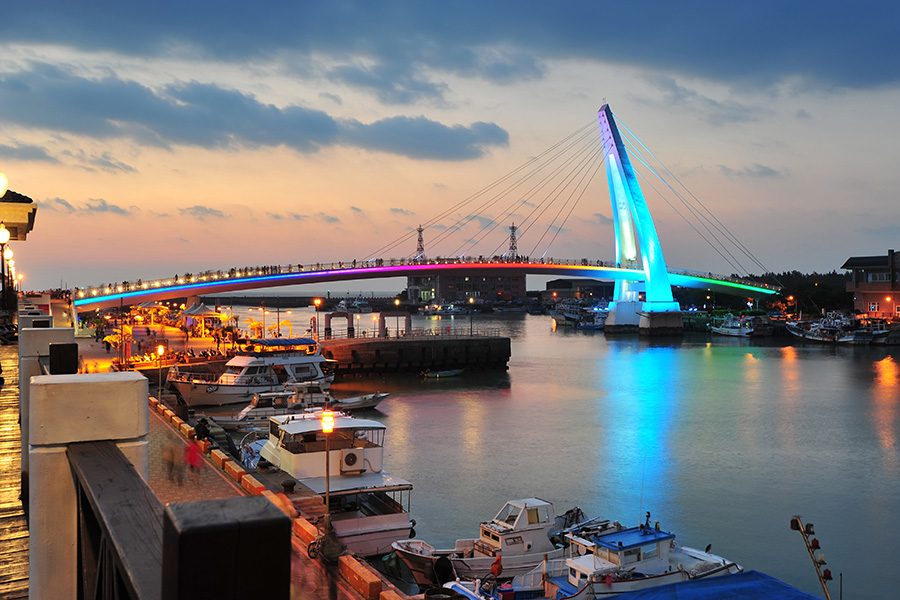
33, 344
230, 548
64, 409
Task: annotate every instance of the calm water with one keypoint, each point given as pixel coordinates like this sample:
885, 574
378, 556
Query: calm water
723, 442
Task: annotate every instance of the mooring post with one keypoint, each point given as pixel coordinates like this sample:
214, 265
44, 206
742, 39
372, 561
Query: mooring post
65, 409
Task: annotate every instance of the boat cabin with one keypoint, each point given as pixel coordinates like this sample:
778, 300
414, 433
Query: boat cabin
521, 527
296, 444
639, 548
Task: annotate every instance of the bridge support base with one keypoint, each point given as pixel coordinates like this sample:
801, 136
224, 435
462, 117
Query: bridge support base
661, 318
623, 317
646, 318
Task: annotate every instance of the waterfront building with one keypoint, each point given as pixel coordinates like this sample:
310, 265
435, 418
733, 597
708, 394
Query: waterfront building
874, 284
451, 288
577, 288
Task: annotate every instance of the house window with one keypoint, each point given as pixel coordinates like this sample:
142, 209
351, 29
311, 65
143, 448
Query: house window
873, 307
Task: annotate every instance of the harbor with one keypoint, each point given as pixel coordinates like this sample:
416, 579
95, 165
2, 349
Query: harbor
475, 301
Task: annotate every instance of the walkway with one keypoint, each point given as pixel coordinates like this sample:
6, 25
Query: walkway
13, 530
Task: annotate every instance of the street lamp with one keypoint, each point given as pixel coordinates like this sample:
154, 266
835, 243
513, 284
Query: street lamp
471, 304
891, 300
790, 299
397, 316
318, 303
160, 352
4, 239
327, 428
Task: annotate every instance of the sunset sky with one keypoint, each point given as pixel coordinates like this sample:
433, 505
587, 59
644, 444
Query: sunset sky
171, 137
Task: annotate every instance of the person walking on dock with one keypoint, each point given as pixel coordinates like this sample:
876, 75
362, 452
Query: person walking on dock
174, 470
192, 457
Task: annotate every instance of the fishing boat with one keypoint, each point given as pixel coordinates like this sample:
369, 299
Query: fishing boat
621, 559
522, 532
366, 503
301, 397
611, 559
354, 306
733, 326
267, 366
442, 374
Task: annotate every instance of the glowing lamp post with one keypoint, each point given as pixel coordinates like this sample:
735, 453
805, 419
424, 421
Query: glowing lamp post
891, 300
790, 299
318, 303
160, 352
397, 308
4, 239
327, 428
471, 305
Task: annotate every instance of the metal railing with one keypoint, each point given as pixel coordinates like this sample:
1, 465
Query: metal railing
237, 273
418, 333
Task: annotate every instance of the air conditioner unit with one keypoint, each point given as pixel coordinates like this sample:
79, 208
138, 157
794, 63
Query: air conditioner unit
352, 460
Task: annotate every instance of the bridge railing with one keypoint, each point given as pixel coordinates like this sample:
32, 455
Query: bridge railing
448, 332
270, 270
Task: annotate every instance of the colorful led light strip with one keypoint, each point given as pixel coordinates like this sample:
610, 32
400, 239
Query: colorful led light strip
359, 272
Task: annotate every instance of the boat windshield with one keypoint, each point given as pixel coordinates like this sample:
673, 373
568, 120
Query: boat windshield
508, 514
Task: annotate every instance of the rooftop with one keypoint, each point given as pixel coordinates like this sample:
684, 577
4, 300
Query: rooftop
632, 538
870, 262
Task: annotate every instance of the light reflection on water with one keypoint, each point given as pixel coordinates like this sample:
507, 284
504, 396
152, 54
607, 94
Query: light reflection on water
723, 442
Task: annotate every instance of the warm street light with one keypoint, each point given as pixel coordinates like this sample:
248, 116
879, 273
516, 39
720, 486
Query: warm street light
4, 239
8, 253
397, 317
318, 303
160, 352
327, 428
471, 303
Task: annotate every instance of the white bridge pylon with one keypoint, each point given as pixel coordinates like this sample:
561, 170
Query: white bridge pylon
636, 240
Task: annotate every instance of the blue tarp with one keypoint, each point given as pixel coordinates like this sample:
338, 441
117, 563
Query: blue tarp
743, 586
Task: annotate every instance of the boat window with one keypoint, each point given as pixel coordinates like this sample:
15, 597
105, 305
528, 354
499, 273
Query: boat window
533, 517
273, 428
304, 371
648, 552
233, 370
280, 373
632, 556
508, 514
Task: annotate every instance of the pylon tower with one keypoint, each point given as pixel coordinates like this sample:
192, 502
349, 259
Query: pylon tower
420, 244
513, 247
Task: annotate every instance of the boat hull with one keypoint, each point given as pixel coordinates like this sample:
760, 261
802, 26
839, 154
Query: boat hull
420, 558
202, 393
371, 535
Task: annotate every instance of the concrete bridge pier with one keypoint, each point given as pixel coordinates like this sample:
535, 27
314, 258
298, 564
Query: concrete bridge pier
66, 409
645, 318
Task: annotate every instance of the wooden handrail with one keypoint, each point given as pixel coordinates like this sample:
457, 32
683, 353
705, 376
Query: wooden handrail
128, 514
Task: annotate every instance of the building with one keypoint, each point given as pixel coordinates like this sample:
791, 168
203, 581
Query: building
453, 288
577, 288
875, 284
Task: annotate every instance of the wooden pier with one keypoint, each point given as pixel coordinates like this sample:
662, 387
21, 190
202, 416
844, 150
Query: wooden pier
13, 528
417, 353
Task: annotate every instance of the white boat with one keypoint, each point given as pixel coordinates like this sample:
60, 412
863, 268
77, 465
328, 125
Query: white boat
267, 367
366, 503
300, 397
521, 532
830, 329
354, 306
441, 374
733, 326
622, 559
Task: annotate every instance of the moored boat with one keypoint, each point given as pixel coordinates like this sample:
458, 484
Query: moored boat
441, 374
268, 366
733, 326
521, 533
366, 503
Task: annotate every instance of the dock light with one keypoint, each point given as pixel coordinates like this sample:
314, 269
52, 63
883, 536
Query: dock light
327, 428
160, 352
8, 253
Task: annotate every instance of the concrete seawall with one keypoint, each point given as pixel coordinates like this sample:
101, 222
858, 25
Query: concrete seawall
359, 355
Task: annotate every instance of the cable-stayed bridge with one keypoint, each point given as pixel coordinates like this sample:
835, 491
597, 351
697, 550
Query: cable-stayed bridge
541, 194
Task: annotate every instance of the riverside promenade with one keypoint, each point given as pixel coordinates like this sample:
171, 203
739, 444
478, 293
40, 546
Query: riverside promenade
309, 578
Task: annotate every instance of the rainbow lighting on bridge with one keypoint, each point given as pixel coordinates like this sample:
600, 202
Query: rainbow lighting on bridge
211, 282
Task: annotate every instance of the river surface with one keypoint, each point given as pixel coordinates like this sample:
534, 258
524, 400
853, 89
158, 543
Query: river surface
723, 440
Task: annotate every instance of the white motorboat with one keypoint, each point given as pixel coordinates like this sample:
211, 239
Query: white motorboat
521, 532
354, 306
366, 504
733, 326
617, 559
299, 398
267, 367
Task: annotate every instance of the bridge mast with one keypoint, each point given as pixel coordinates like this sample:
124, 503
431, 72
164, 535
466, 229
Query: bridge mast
635, 235
420, 244
513, 245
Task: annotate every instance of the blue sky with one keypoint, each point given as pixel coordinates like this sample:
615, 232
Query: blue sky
317, 130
